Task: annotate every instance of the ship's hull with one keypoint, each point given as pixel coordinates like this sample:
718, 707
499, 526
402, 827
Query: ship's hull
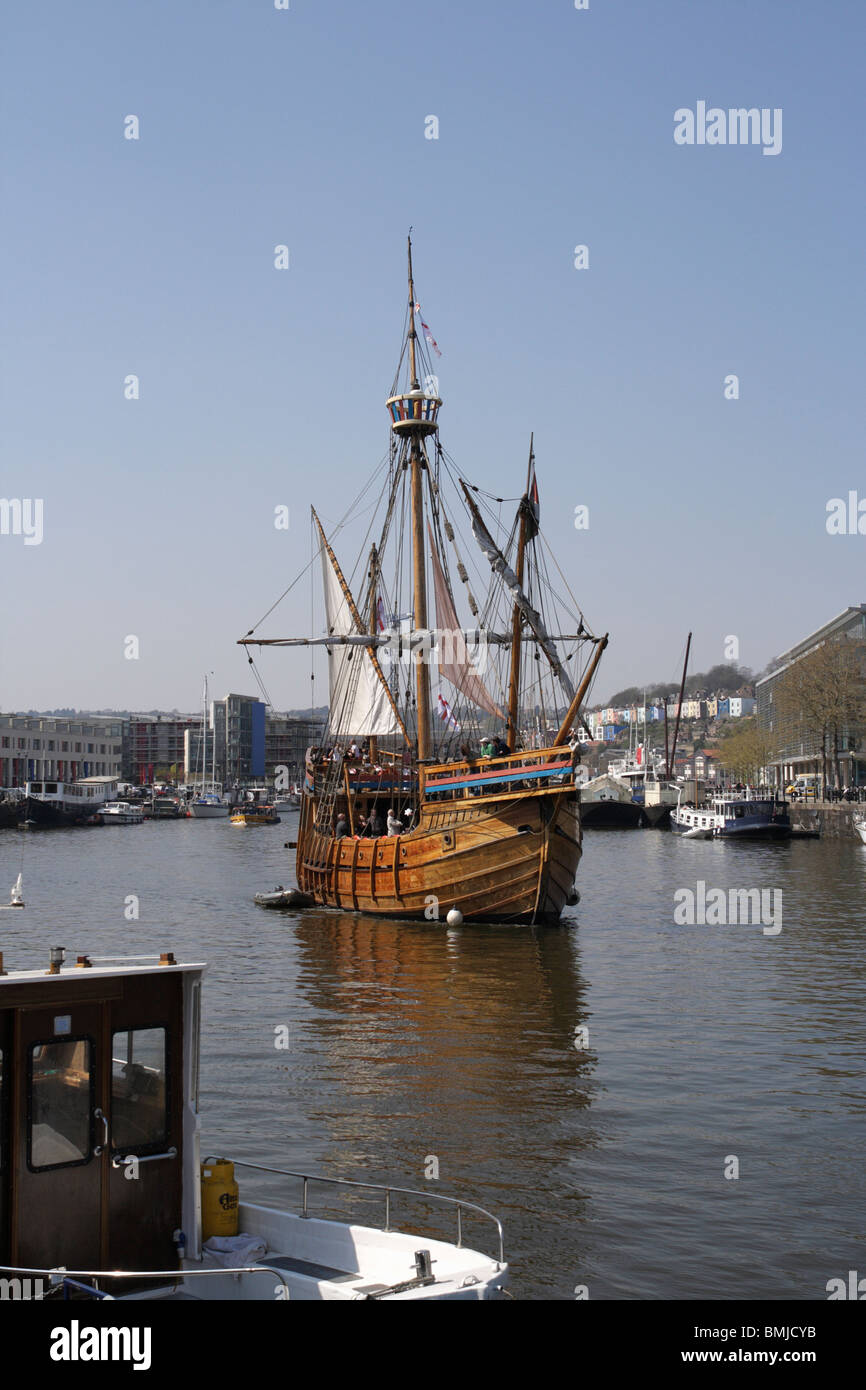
495, 858
208, 810
10, 814
658, 817
611, 815
57, 815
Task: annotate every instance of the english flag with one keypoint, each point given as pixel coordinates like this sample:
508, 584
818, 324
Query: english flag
445, 713
427, 334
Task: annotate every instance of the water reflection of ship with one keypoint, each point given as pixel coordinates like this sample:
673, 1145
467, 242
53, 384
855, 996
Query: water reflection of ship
460, 1043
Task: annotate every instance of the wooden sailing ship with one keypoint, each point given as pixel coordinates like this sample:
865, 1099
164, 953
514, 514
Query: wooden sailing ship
404, 818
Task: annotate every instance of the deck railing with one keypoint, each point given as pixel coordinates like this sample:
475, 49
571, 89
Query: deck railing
387, 1189
59, 1277
528, 770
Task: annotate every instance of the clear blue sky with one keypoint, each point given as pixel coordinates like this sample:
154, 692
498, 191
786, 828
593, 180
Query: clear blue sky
259, 387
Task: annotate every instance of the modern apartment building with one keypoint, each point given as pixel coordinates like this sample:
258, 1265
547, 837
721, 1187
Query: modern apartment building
799, 747
41, 747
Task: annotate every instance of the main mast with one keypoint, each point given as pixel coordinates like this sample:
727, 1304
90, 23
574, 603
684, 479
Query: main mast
514, 682
413, 415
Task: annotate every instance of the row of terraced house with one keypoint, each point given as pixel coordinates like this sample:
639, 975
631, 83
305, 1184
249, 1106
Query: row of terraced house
606, 723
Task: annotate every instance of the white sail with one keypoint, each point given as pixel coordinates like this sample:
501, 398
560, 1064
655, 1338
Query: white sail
359, 701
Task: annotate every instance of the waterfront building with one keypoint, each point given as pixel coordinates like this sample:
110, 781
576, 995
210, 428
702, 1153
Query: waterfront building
156, 746
800, 747
238, 724
287, 739
38, 747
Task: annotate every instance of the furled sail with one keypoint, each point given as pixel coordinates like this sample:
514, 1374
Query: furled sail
454, 663
500, 566
359, 698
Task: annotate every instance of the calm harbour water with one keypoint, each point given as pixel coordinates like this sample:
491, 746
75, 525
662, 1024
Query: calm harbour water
411, 1042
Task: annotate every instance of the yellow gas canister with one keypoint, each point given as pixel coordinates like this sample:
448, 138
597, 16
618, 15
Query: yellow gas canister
219, 1198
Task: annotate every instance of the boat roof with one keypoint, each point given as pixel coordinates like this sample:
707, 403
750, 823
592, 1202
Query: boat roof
104, 967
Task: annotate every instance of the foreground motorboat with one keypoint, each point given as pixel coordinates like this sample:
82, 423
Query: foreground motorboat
99, 1085
859, 822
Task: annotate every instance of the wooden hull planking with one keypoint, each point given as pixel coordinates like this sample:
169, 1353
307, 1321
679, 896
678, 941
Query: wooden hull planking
499, 858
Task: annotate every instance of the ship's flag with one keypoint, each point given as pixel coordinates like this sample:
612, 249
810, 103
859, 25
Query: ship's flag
638, 754
446, 715
534, 510
427, 334
380, 614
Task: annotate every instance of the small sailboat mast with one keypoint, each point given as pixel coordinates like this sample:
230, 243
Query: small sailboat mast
673, 752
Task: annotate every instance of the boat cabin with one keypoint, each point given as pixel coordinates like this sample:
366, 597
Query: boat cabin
98, 1130
86, 791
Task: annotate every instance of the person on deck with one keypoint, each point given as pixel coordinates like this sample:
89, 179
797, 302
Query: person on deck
395, 826
341, 829
374, 827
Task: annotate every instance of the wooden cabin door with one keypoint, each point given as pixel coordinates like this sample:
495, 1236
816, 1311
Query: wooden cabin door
94, 1121
57, 1136
146, 1107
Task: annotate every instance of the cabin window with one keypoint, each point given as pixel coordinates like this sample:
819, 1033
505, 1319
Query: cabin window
60, 1103
139, 1096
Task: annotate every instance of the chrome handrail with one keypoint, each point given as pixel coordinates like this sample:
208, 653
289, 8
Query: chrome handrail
57, 1275
387, 1188
120, 1160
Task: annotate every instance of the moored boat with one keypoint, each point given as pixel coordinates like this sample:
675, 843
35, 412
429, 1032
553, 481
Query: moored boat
122, 813
48, 805
731, 816
209, 806
99, 1085
609, 802
254, 814
164, 807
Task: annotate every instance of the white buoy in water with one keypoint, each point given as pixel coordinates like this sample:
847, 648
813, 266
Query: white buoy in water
455, 917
